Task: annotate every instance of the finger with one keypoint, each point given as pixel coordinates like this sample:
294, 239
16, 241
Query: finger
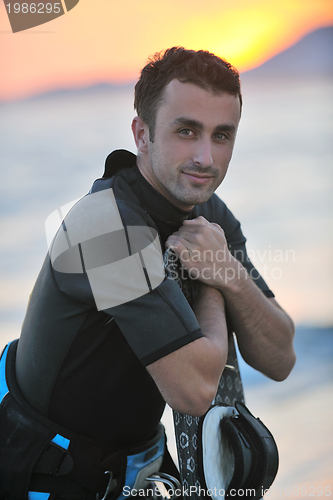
178, 245
190, 239
196, 226
192, 229
198, 220
198, 234
186, 232
217, 226
201, 221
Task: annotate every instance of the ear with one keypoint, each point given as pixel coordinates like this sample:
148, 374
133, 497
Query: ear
141, 134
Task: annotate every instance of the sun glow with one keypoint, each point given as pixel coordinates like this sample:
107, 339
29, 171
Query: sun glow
111, 42
255, 31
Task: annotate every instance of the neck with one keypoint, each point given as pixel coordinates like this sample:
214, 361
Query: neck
146, 172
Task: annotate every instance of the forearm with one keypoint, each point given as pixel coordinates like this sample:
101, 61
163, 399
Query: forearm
209, 309
264, 331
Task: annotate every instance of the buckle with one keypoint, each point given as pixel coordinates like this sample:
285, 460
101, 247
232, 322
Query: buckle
110, 486
170, 483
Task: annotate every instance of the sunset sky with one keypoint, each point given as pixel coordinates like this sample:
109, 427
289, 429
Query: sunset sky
109, 41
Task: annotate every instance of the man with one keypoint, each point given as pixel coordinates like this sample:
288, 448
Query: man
98, 355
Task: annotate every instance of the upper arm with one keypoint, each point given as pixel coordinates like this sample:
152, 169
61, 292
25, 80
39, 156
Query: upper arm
164, 333
188, 377
157, 323
183, 376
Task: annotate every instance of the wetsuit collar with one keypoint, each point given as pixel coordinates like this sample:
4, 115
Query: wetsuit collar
152, 201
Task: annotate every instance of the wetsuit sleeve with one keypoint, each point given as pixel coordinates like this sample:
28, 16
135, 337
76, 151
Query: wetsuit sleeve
216, 211
154, 324
157, 323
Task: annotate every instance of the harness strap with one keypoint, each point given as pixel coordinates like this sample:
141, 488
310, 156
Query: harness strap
67, 453
62, 461
77, 465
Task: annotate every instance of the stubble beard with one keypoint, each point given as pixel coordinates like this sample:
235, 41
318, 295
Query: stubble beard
176, 189
196, 195
182, 191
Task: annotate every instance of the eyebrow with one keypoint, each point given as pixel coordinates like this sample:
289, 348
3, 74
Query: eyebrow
189, 122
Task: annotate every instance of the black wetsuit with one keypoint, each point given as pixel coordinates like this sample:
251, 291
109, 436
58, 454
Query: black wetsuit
84, 368
75, 366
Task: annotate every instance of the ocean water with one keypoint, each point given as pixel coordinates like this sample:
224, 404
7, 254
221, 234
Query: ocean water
279, 185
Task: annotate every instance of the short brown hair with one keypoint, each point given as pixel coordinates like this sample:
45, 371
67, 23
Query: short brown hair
202, 68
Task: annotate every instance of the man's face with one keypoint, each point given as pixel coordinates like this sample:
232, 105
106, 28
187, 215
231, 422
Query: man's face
193, 143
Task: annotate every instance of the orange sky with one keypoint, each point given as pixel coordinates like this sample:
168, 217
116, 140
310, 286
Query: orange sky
109, 40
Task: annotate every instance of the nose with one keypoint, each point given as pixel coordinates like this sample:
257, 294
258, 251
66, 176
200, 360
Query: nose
203, 153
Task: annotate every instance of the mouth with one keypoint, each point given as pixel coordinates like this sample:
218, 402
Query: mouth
198, 178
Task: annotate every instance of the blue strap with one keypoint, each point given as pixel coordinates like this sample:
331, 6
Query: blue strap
3, 384
61, 441
37, 495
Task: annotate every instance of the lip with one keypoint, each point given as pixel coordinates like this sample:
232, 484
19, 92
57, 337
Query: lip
198, 178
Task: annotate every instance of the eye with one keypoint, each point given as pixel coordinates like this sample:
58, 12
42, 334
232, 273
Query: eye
186, 131
220, 136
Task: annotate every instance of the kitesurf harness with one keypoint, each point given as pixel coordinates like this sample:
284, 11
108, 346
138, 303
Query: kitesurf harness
48, 458
239, 453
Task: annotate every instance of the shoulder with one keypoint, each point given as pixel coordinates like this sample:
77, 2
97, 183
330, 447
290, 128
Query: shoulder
103, 230
116, 193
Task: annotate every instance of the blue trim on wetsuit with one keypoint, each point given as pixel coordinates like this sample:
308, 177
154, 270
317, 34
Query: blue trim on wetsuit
3, 384
136, 463
61, 441
37, 495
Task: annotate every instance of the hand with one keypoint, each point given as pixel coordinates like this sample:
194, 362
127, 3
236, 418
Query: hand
203, 250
